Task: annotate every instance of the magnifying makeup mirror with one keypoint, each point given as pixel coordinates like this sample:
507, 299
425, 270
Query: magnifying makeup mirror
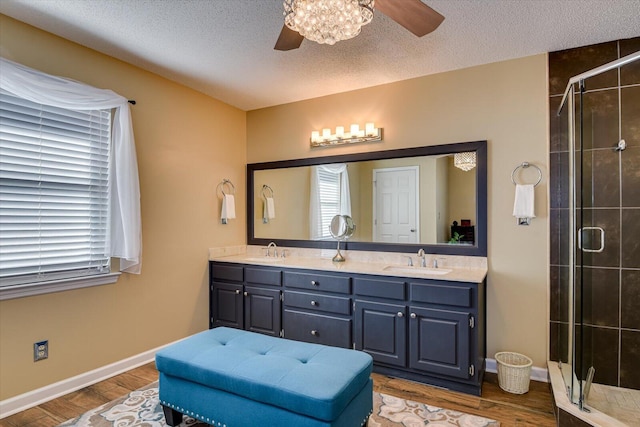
341, 228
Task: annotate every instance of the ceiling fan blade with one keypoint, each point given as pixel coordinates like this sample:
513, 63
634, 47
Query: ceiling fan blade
414, 15
288, 39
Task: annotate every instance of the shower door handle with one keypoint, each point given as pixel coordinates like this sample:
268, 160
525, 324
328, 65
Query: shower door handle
600, 249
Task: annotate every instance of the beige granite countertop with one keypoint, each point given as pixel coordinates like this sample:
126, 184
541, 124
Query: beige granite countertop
462, 268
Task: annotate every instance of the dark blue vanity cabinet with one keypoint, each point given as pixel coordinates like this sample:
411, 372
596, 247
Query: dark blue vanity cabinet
246, 297
431, 331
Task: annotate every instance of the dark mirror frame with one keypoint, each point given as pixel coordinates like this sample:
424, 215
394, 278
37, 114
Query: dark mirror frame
480, 248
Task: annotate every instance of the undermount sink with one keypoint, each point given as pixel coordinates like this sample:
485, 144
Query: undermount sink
264, 259
417, 270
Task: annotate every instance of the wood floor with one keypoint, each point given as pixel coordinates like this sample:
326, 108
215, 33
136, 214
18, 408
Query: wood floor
531, 409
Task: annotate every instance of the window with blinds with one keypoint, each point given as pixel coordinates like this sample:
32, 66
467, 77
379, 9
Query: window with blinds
54, 191
329, 189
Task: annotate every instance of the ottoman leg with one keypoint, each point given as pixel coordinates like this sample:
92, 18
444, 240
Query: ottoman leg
172, 416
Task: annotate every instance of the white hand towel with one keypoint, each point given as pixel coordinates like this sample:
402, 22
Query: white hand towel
523, 205
228, 207
269, 208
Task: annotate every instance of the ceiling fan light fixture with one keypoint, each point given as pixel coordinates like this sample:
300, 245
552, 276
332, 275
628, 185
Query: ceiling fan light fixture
327, 21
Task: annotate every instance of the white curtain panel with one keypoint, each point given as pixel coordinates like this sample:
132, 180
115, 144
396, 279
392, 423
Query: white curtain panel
126, 229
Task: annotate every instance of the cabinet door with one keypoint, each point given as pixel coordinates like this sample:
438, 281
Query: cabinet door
440, 341
226, 305
262, 310
380, 330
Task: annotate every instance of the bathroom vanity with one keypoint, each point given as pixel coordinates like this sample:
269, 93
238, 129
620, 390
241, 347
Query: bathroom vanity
424, 327
418, 323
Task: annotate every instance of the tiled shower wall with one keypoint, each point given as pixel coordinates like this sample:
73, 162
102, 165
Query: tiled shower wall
611, 334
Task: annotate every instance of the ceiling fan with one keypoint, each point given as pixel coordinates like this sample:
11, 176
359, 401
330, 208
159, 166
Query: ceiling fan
413, 15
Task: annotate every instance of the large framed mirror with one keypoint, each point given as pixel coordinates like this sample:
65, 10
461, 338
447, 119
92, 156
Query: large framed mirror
432, 197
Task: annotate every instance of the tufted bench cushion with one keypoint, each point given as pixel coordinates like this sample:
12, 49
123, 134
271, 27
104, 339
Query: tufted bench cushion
309, 379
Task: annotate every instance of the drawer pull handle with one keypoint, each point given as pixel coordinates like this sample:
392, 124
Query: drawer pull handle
413, 315
314, 333
246, 294
314, 303
400, 314
314, 283
237, 291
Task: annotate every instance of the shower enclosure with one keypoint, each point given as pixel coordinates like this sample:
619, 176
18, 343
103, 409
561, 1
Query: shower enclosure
597, 227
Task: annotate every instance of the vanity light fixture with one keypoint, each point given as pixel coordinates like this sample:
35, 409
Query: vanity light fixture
465, 161
325, 138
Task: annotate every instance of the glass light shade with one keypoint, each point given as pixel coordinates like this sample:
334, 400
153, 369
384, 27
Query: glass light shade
340, 131
327, 21
370, 129
326, 133
315, 136
465, 161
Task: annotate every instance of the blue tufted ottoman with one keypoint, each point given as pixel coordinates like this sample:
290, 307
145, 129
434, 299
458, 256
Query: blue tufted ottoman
232, 378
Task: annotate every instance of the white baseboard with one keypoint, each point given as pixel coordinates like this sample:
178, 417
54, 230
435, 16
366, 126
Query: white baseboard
537, 374
36, 397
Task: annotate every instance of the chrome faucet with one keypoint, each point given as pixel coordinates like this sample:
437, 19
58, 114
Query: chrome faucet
423, 263
435, 263
409, 261
275, 249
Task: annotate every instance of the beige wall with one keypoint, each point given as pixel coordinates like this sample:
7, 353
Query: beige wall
186, 144
504, 103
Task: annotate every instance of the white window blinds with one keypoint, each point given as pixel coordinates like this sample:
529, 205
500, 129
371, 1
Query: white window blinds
329, 189
54, 191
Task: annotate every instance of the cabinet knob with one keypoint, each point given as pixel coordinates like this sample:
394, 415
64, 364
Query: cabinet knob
413, 315
314, 303
237, 291
400, 314
314, 283
246, 294
314, 333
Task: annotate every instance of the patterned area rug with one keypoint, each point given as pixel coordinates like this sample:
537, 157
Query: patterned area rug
141, 408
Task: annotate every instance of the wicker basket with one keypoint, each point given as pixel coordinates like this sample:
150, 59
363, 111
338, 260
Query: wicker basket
514, 370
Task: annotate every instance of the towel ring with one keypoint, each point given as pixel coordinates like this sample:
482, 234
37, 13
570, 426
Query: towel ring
229, 184
525, 165
267, 191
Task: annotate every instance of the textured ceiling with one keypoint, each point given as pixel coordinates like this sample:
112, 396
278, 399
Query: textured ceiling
224, 48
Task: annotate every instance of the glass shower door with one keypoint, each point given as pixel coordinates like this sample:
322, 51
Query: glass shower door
597, 250
567, 346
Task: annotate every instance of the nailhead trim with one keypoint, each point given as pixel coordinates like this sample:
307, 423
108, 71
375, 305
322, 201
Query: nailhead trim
213, 422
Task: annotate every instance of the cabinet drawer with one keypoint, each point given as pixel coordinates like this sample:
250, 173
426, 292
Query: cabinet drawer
317, 329
227, 272
459, 296
388, 289
262, 276
318, 282
317, 302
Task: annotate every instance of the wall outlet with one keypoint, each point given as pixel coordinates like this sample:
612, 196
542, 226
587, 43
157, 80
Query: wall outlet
40, 350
